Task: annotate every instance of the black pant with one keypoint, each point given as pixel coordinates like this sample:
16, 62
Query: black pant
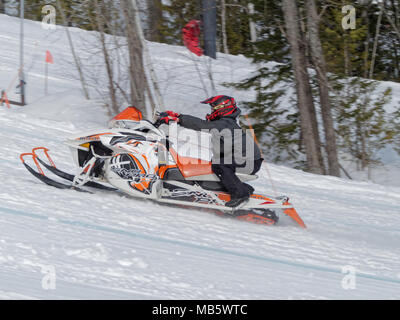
226, 173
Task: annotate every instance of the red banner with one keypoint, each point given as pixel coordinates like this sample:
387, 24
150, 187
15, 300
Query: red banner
191, 33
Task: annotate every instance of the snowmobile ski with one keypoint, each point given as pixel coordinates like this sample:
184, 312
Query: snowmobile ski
62, 174
42, 177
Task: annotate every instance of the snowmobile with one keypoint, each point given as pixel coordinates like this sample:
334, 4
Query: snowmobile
144, 160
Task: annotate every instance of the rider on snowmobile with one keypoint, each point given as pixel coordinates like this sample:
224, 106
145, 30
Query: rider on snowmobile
225, 161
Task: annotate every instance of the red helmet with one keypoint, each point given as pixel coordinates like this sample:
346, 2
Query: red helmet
221, 106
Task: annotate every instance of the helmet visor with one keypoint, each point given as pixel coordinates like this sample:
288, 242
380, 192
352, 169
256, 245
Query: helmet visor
218, 106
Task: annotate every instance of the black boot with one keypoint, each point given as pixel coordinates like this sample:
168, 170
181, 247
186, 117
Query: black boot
239, 191
249, 187
235, 202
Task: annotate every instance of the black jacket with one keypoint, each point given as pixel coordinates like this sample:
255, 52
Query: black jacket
230, 143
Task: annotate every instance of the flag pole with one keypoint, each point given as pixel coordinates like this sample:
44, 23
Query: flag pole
21, 53
46, 74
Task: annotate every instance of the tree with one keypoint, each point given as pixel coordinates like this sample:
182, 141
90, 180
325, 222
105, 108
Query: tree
343, 49
378, 29
273, 113
136, 67
323, 85
276, 125
178, 13
100, 24
155, 20
303, 89
75, 56
223, 27
363, 124
33, 9
233, 31
395, 129
237, 26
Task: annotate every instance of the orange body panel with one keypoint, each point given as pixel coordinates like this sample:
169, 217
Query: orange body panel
255, 218
163, 169
291, 212
260, 197
191, 167
130, 113
224, 196
143, 184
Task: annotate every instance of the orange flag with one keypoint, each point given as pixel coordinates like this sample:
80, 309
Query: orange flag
49, 57
4, 99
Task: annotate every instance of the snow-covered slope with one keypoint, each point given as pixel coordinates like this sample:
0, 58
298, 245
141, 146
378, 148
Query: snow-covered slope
107, 246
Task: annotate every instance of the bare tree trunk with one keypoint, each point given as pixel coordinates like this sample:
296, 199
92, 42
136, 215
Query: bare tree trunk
358, 146
76, 58
392, 23
223, 27
346, 58
365, 17
303, 89
323, 84
252, 25
396, 57
396, 10
304, 49
378, 28
2, 7
363, 149
136, 68
151, 76
395, 5
110, 73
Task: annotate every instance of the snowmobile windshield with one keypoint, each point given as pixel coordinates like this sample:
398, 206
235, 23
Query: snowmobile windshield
124, 124
142, 126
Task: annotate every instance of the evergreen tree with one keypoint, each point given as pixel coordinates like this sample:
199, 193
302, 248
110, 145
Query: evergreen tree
343, 49
79, 13
395, 129
363, 124
361, 120
177, 14
33, 9
237, 26
273, 113
155, 21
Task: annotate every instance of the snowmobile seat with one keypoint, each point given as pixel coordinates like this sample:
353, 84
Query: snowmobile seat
175, 174
200, 170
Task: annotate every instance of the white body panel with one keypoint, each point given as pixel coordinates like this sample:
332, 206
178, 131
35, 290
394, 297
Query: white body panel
133, 163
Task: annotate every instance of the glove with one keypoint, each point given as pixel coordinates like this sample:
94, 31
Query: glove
172, 114
167, 119
167, 116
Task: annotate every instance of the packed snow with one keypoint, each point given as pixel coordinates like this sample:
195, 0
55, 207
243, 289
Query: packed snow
63, 244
